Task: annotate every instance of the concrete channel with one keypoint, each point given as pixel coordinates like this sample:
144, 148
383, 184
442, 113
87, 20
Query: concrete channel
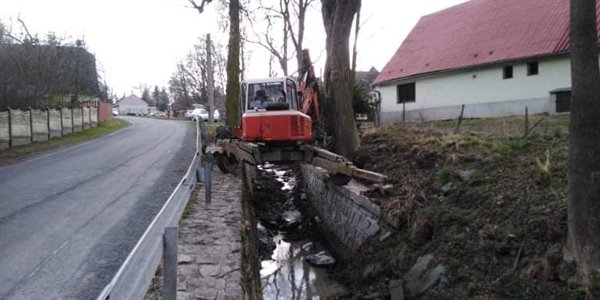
272, 232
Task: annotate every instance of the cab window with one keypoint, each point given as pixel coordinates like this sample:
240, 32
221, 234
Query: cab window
292, 94
262, 94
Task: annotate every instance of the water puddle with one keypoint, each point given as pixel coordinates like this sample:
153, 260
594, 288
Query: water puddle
288, 276
286, 241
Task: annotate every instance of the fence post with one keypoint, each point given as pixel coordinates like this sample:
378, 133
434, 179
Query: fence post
48, 115
526, 122
170, 263
72, 120
62, 128
10, 142
460, 118
82, 119
31, 124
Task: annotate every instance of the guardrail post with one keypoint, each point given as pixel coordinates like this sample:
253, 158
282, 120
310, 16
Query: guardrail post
170, 263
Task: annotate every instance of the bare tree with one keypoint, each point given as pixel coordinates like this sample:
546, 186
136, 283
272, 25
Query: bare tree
297, 13
191, 80
284, 22
584, 139
233, 59
178, 87
266, 39
337, 20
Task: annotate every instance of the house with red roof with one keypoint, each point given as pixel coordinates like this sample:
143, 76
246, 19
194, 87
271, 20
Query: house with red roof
132, 105
495, 57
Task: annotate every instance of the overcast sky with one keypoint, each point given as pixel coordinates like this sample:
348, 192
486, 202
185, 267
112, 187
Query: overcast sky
140, 41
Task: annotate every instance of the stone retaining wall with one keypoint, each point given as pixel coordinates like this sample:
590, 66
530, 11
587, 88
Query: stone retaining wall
344, 213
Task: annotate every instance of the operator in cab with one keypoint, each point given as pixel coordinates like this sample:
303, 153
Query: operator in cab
260, 100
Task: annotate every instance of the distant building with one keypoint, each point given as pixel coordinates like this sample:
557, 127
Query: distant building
367, 77
132, 105
495, 57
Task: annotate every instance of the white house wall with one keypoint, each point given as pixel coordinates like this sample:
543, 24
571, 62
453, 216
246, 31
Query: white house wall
483, 92
125, 109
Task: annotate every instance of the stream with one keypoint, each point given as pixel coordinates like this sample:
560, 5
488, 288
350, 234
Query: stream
288, 240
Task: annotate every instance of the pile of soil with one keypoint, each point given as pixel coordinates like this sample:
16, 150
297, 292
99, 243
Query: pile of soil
491, 210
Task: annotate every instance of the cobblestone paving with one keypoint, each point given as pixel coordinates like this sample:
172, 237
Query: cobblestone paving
210, 242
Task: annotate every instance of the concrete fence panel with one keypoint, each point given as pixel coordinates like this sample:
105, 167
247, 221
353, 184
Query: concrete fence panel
67, 121
55, 123
20, 127
39, 125
77, 119
4, 130
94, 116
86, 117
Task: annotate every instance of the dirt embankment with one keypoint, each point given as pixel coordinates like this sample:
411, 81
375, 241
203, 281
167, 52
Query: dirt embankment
490, 209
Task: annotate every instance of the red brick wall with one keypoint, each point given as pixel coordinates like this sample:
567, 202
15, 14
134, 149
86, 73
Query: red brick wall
104, 112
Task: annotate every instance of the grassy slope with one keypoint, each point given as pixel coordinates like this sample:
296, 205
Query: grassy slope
487, 203
23, 152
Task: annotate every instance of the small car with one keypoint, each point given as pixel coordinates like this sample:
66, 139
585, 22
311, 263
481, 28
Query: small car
203, 114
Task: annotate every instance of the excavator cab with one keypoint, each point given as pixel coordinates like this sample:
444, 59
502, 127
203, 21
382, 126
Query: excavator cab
270, 112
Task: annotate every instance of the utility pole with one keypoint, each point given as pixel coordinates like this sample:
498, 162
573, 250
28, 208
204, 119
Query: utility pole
211, 81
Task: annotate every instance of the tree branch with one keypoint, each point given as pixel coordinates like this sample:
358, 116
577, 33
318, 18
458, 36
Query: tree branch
25, 28
199, 7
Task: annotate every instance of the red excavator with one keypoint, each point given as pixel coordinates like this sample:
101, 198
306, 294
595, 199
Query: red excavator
281, 123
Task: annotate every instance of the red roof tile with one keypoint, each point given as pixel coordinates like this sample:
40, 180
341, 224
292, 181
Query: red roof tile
481, 32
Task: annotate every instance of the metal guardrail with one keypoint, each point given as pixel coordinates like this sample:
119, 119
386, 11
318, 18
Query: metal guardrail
134, 277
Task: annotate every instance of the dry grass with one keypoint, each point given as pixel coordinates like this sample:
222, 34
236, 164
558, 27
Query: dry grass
505, 127
488, 203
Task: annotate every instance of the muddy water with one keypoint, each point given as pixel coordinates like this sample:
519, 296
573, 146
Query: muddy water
286, 274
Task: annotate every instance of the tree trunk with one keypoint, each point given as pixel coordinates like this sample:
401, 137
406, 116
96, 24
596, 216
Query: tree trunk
337, 20
298, 41
354, 46
210, 77
584, 138
233, 66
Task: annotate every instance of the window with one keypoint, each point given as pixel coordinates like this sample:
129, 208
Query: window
292, 95
262, 94
533, 68
406, 93
508, 72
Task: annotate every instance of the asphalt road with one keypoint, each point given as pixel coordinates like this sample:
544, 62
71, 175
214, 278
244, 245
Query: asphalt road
68, 219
